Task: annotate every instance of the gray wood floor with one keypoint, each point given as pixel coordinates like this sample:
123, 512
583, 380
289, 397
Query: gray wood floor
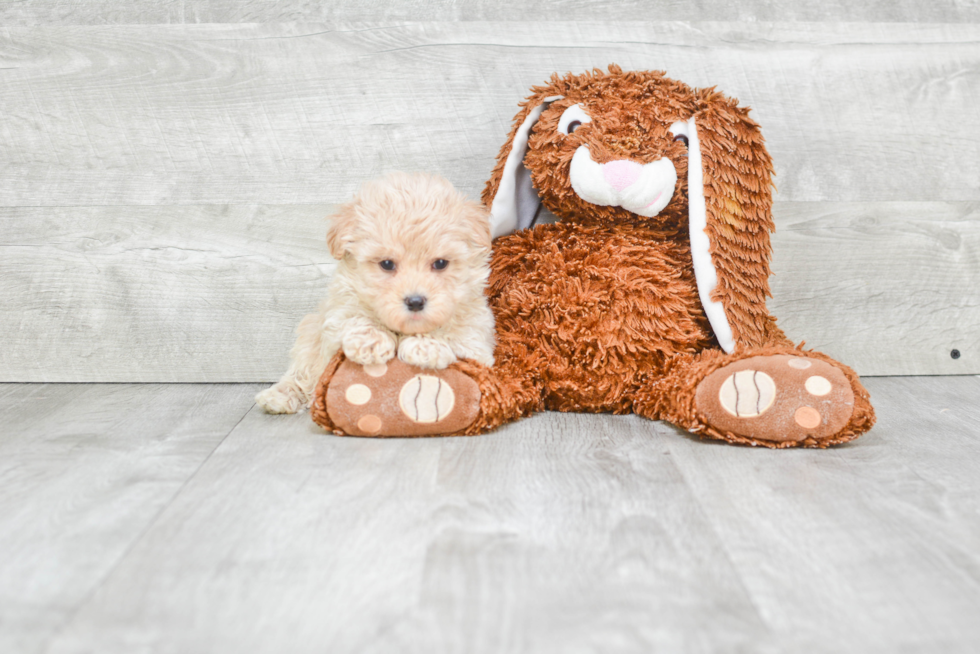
178, 518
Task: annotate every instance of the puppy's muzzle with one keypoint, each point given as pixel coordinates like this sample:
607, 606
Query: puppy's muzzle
415, 302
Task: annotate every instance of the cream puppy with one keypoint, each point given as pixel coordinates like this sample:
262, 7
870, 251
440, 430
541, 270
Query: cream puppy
413, 260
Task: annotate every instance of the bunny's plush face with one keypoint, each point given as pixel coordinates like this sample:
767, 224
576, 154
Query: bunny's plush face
638, 149
615, 154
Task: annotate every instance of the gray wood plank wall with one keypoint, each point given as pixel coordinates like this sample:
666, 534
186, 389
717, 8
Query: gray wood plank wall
103, 12
164, 185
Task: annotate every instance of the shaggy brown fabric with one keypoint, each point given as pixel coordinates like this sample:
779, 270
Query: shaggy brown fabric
632, 113
601, 311
593, 311
318, 407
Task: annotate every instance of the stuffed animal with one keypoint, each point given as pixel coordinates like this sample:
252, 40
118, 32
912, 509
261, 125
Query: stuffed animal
648, 295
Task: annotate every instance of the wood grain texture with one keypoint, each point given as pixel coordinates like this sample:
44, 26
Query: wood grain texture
165, 294
163, 184
303, 113
561, 533
889, 288
871, 547
99, 12
84, 471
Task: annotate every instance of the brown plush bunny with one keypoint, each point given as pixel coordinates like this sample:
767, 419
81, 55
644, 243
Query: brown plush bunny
649, 293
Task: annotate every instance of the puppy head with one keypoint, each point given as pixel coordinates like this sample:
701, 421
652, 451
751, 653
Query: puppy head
414, 248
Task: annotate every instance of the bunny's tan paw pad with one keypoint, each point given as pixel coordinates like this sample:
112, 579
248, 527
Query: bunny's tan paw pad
778, 399
397, 399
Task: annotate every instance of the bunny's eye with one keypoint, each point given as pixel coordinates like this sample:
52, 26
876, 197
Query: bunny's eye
573, 118
680, 130
387, 264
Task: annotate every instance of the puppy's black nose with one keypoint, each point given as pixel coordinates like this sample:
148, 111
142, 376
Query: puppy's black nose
415, 302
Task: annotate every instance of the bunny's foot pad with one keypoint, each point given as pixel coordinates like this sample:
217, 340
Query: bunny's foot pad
396, 399
779, 398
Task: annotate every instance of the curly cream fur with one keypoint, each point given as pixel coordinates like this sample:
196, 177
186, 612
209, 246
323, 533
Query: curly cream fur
411, 220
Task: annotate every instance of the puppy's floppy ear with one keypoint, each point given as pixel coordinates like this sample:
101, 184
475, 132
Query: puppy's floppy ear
340, 233
730, 203
509, 194
476, 223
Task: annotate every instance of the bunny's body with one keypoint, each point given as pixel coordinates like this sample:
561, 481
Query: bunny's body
596, 311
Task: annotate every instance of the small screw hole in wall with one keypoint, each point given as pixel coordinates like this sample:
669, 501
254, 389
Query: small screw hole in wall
955, 354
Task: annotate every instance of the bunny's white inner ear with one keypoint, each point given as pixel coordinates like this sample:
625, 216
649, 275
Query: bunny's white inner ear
516, 202
704, 269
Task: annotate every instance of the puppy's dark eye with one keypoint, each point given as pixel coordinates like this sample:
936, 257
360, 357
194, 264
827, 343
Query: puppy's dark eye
387, 264
439, 264
574, 125
682, 138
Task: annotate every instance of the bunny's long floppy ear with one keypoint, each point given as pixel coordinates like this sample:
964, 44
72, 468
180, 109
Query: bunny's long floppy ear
509, 194
730, 204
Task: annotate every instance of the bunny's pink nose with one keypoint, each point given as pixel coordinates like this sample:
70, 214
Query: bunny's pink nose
622, 173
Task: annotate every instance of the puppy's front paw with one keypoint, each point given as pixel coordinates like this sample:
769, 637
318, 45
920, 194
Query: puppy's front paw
368, 346
281, 398
425, 352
